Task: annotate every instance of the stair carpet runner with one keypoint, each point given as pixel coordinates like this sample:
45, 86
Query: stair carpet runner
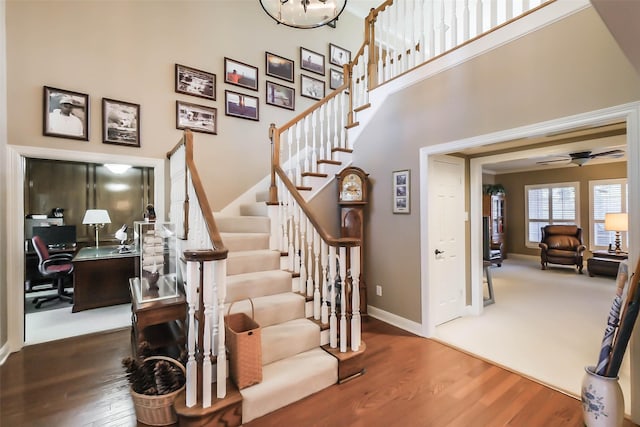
294, 365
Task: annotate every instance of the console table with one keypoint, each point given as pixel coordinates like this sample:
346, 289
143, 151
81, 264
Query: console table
605, 263
101, 277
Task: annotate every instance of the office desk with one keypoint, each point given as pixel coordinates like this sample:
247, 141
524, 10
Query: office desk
101, 277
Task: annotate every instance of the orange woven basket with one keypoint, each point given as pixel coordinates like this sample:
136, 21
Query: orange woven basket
243, 338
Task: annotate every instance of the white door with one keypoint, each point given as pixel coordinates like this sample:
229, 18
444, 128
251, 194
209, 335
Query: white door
446, 237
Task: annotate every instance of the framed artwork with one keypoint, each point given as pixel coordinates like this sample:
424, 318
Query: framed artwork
338, 56
65, 114
336, 78
401, 192
195, 82
311, 61
241, 105
240, 74
281, 96
311, 88
120, 123
198, 118
279, 67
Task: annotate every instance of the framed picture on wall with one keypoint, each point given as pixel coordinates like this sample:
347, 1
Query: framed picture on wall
240, 74
279, 67
195, 82
120, 123
281, 96
198, 118
311, 88
65, 114
311, 61
336, 78
401, 192
241, 105
338, 56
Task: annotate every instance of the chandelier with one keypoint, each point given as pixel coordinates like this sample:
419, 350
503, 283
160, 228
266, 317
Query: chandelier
303, 13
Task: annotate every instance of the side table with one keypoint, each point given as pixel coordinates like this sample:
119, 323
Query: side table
605, 263
160, 322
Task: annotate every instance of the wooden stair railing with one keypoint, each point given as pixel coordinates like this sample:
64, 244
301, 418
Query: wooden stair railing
204, 275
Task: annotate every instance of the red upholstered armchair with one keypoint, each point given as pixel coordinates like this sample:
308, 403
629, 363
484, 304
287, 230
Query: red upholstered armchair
562, 244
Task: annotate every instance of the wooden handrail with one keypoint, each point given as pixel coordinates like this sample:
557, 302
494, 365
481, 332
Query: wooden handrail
203, 201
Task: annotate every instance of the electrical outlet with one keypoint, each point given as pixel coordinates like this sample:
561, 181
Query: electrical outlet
379, 290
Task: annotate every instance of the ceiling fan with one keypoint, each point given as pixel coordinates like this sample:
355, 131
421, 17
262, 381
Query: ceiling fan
581, 157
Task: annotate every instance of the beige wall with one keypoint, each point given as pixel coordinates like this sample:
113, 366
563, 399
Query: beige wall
514, 187
3, 176
126, 50
566, 68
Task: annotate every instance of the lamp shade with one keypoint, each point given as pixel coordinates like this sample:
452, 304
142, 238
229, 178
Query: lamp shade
96, 216
615, 222
304, 13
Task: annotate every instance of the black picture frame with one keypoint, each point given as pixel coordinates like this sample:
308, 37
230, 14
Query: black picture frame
60, 123
192, 81
120, 123
281, 96
401, 186
196, 117
338, 55
312, 61
240, 74
311, 88
336, 78
278, 67
241, 105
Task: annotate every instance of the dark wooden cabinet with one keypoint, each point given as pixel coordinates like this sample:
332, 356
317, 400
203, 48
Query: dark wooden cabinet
494, 206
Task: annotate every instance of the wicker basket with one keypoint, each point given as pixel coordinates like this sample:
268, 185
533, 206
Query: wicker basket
243, 338
157, 410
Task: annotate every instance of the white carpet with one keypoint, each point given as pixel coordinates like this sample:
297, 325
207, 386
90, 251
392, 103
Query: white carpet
62, 323
547, 325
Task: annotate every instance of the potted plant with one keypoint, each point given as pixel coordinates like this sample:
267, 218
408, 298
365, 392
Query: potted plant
154, 381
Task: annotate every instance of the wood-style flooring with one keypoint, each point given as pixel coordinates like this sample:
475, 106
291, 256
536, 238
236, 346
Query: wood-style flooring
409, 381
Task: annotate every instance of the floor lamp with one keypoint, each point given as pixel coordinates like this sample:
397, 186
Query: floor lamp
616, 222
98, 218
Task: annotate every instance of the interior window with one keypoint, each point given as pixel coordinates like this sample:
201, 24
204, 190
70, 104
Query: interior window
606, 196
550, 204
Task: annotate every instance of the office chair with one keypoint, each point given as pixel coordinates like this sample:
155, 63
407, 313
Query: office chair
57, 267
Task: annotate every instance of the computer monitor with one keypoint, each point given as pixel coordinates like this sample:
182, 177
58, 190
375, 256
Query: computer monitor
57, 236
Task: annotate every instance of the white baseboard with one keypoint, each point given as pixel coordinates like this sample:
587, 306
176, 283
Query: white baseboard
395, 320
4, 353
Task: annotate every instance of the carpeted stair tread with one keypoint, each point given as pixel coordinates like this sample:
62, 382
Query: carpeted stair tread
243, 224
254, 209
287, 381
245, 241
240, 262
257, 284
277, 342
271, 309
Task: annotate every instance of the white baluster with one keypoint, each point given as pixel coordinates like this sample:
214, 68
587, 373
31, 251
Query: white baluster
356, 323
509, 10
289, 160
333, 321
379, 31
207, 299
290, 221
221, 362
193, 281
336, 124
310, 266
386, 15
317, 299
343, 120
314, 156
307, 166
302, 221
493, 13
324, 309
479, 17
431, 29
466, 22
442, 29
322, 124
454, 25
298, 180
343, 299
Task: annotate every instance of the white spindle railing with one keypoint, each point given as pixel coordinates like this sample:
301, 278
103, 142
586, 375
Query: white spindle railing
204, 273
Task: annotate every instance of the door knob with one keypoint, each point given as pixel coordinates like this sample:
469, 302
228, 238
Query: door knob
438, 252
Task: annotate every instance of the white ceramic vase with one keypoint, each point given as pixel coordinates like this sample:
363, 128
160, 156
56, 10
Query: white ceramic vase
602, 400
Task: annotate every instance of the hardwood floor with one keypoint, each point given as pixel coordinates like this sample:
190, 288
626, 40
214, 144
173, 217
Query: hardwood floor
410, 381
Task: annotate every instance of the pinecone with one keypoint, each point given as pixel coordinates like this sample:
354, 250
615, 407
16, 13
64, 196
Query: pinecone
166, 379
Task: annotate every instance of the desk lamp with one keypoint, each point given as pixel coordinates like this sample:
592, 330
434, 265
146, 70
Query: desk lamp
616, 222
98, 218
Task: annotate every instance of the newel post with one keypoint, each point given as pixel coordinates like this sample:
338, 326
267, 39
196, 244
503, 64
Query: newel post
273, 189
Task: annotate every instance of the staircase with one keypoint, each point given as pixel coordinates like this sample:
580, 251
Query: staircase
294, 365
